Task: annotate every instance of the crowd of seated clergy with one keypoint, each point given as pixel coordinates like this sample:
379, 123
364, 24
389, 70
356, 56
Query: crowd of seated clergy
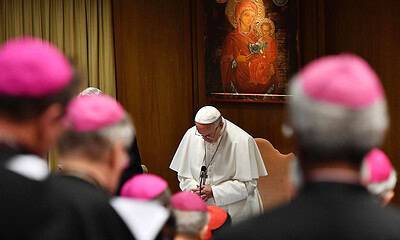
337, 113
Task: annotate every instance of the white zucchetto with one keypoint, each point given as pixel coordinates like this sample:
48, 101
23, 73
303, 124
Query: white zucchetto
207, 115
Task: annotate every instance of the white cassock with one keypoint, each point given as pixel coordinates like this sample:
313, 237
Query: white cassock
232, 172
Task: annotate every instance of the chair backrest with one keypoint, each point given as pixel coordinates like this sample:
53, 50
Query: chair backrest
275, 189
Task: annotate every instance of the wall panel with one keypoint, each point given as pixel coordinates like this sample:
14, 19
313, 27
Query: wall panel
371, 29
159, 81
153, 61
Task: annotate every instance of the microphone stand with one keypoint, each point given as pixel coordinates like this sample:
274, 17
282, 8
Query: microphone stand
203, 177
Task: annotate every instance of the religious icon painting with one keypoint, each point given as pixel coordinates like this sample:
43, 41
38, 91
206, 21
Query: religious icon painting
250, 49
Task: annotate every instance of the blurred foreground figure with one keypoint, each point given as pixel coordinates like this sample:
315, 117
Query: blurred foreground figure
219, 219
379, 175
36, 83
135, 164
191, 216
147, 187
338, 113
93, 154
154, 189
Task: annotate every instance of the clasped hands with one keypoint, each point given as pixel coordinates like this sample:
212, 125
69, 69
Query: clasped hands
206, 192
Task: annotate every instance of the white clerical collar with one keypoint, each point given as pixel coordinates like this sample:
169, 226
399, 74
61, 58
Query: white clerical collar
29, 166
144, 219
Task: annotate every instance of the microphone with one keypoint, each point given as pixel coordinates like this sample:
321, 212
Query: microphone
203, 177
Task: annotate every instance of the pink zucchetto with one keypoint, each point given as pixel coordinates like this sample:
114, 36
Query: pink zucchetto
188, 201
144, 186
34, 68
337, 103
378, 174
344, 79
378, 166
90, 113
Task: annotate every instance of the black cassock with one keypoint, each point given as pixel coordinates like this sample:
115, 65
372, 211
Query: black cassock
24, 201
83, 212
134, 167
323, 210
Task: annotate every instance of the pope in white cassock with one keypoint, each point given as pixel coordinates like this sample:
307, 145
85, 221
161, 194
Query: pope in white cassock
232, 162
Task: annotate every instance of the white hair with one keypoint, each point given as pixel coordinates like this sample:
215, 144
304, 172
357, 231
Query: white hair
121, 132
329, 126
91, 91
190, 222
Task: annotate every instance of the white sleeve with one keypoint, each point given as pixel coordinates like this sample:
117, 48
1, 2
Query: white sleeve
232, 191
187, 184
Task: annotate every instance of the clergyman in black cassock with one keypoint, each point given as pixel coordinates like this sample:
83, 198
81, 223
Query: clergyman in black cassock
135, 164
323, 210
36, 83
134, 167
93, 154
84, 210
24, 199
338, 114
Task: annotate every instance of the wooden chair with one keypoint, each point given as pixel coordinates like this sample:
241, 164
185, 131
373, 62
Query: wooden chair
275, 189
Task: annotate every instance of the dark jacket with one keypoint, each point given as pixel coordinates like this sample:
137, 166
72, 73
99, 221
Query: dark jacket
323, 211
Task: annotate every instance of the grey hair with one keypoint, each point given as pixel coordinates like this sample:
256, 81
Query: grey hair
122, 132
218, 121
94, 143
164, 198
190, 222
329, 127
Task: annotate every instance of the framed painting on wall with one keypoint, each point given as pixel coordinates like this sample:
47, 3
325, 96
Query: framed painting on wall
250, 48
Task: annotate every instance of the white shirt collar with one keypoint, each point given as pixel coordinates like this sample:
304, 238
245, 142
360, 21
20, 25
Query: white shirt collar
29, 166
144, 219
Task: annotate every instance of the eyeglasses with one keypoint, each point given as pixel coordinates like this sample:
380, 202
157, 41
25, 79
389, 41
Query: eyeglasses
208, 136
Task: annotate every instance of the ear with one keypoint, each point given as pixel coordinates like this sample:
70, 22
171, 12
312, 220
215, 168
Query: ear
118, 159
54, 112
49, 126
113, 157
118, 156
205, 232
387, 197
